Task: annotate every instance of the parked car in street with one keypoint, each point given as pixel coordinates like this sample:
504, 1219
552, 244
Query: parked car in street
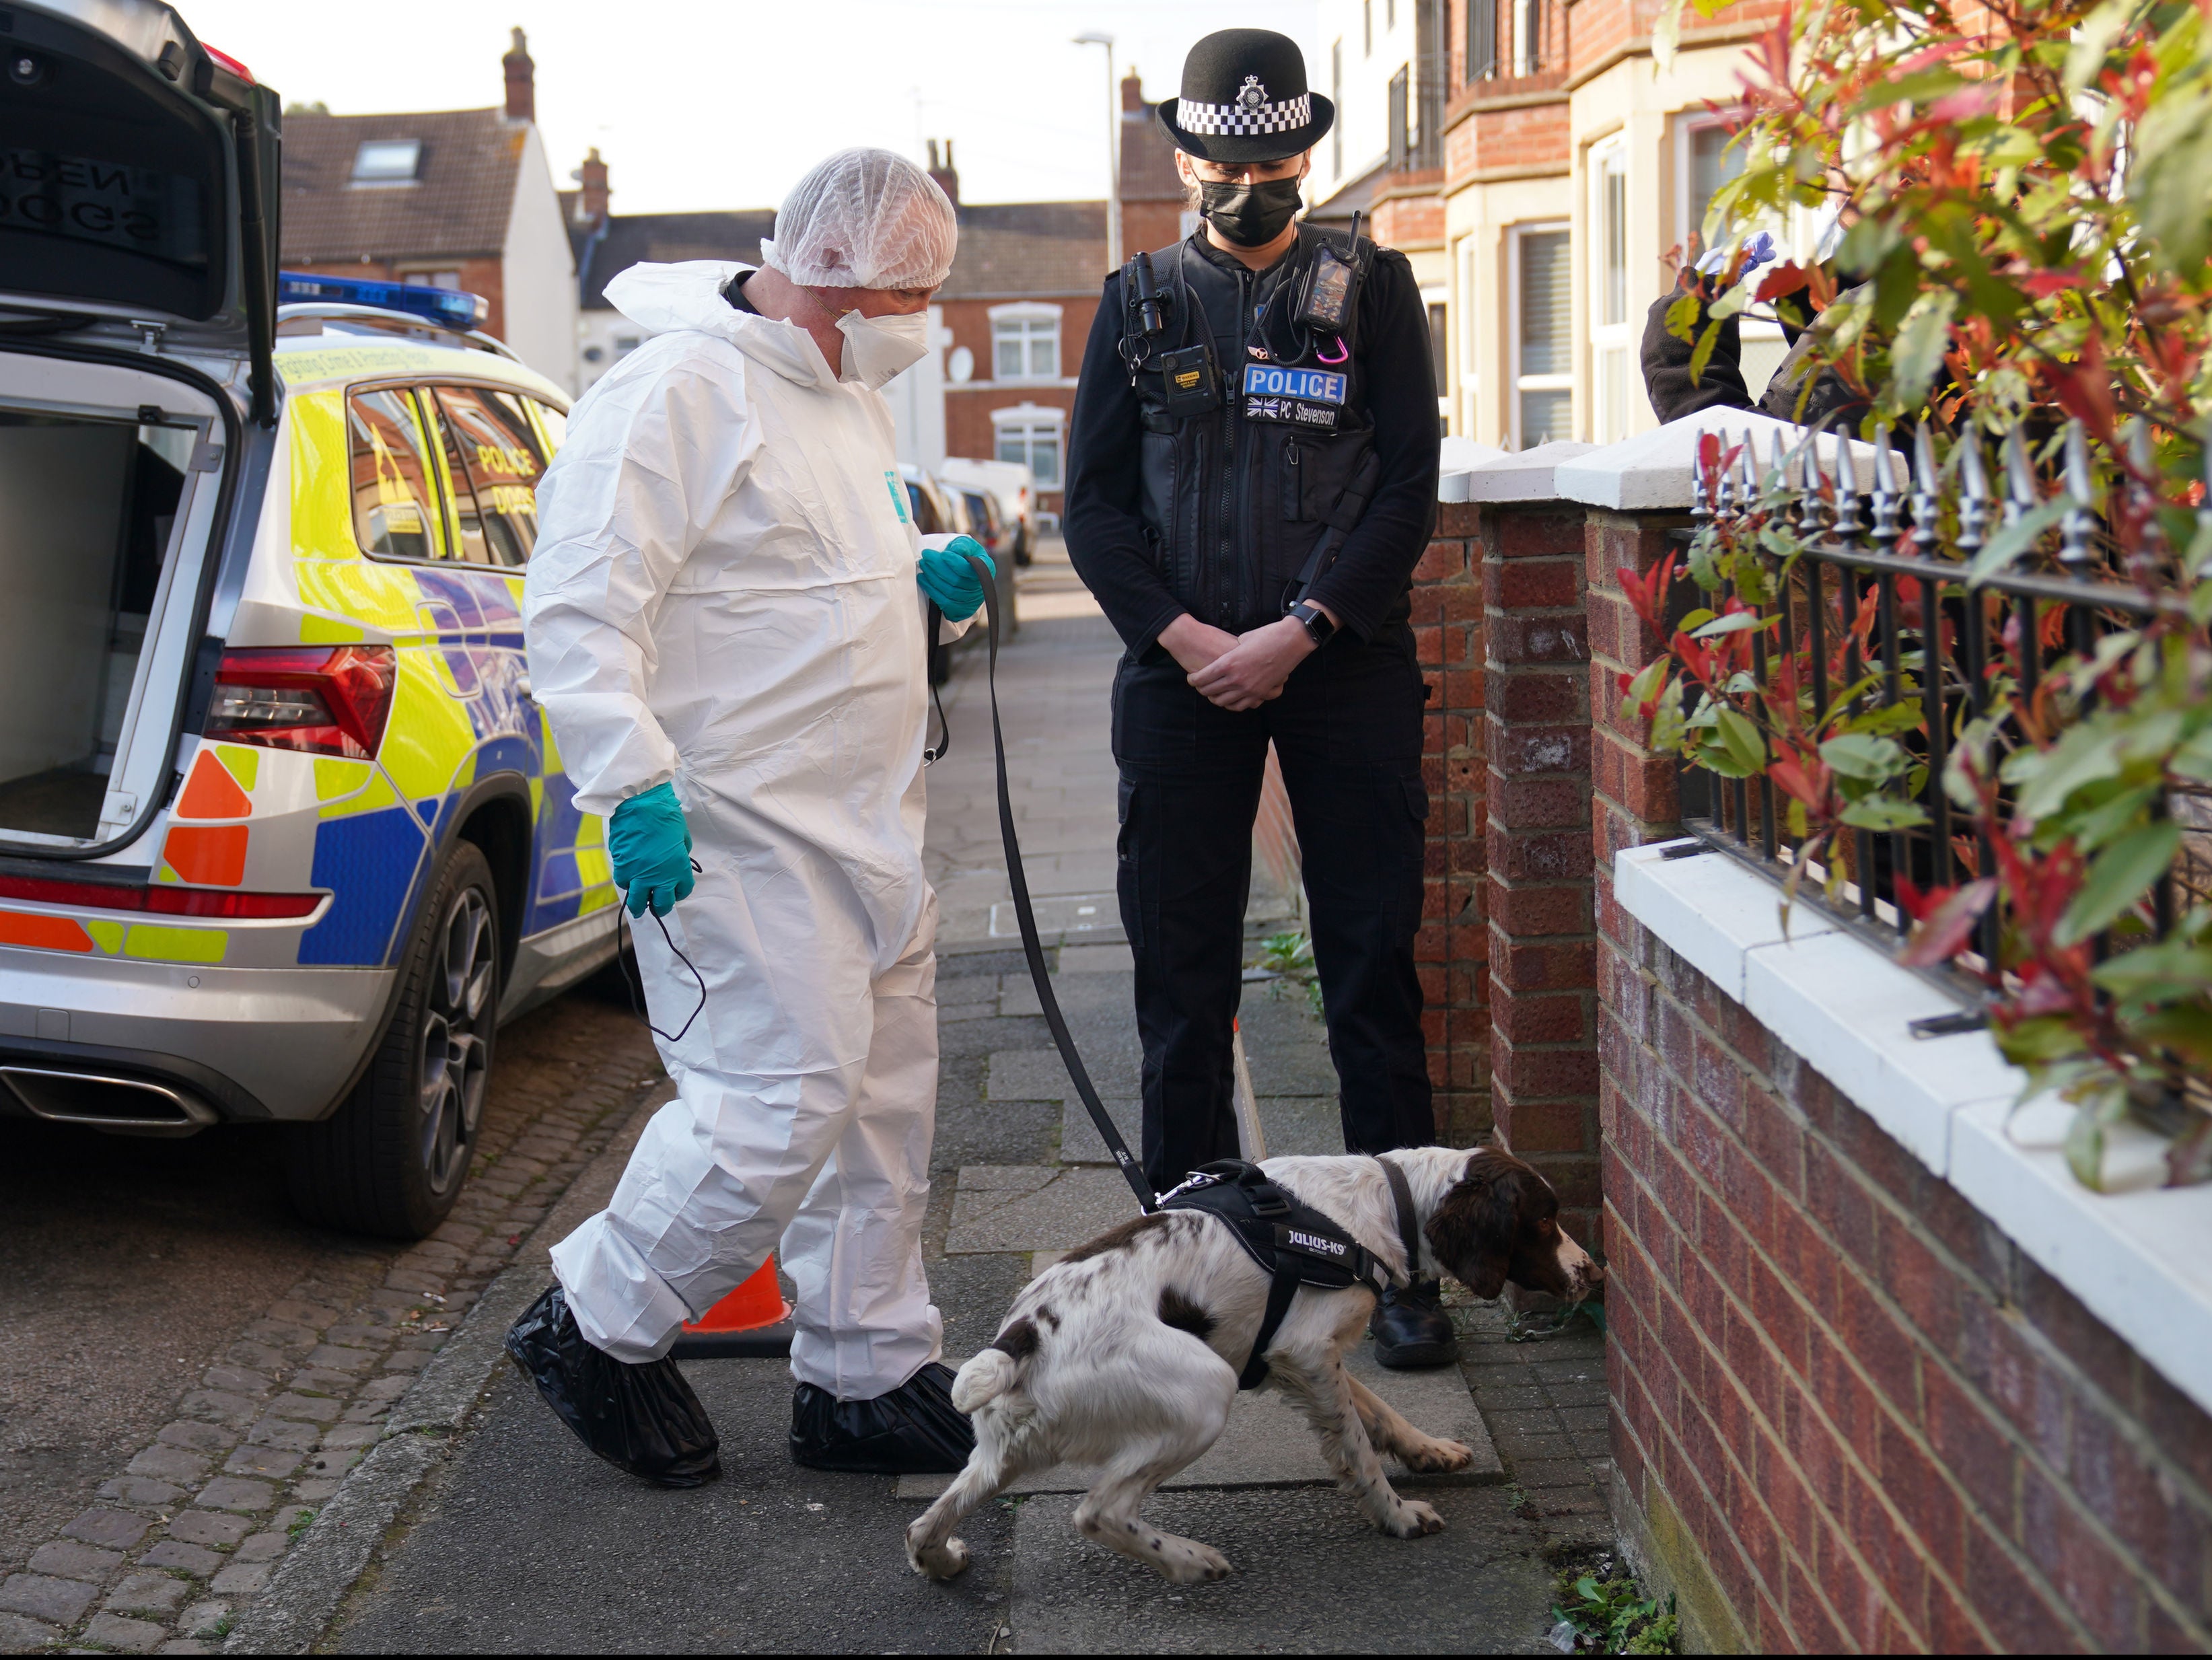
1011, 486
283, 836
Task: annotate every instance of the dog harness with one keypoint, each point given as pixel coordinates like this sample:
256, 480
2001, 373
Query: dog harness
1293, 1243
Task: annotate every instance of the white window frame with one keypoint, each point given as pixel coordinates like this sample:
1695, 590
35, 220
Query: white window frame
1516, 382
1611, 342
1527, 30
1034, 419
1031, 322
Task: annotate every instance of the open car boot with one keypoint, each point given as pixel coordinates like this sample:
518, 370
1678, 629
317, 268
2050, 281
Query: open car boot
913, 1429
643, 1417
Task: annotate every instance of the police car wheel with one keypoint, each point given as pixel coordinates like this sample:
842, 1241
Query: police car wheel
392, 1159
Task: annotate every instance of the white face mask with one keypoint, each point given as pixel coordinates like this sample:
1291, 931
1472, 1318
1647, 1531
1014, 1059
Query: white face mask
877, 348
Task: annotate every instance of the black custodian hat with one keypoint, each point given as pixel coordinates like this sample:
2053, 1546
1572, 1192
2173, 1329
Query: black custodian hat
1244, 99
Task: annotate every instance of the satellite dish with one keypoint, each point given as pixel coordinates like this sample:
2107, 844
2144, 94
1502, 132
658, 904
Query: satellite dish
961, 366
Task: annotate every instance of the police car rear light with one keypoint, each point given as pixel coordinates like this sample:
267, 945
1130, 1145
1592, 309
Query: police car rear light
450, 307
325, 700
223, 60
166, 902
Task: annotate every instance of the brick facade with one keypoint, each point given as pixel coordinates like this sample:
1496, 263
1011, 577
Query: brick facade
1847, 1412
1844, 1405
968, 408
1543, 1018
1453, 951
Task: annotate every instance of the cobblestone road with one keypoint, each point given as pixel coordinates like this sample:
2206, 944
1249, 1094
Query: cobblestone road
186, 1370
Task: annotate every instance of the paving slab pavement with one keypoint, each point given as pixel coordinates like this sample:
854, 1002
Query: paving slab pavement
520, 1540
1311, 1578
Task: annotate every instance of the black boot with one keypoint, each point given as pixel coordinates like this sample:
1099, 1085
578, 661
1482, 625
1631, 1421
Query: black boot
1409, 1329
915, 1430
643, 1417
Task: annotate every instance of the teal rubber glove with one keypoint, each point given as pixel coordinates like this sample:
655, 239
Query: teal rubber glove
651, 850
951, 581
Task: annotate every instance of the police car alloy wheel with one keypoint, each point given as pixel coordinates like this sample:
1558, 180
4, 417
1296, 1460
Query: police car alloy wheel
392, 1159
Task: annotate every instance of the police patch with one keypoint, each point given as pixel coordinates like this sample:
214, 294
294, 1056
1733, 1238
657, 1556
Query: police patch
1307, 386
1290, 412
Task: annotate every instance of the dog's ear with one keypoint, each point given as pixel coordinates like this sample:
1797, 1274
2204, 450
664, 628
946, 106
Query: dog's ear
1471, 1230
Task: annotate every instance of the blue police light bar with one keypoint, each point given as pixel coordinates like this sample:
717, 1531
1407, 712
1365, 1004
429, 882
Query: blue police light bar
449, 307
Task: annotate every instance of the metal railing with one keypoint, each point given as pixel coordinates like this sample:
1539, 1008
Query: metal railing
1857, 579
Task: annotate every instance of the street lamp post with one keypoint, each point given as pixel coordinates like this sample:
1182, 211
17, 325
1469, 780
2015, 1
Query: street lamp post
1097, 38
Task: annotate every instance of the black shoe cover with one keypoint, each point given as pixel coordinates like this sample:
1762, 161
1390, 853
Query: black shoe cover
915, 1430
1409, 1329
643, 1418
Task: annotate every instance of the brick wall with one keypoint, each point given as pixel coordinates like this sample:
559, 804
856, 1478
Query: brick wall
1453, 949
1844, 1404
1542, 969
1847, 1413
1532, 136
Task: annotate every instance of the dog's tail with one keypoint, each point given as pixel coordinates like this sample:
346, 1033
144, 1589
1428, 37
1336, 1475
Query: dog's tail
984, 1378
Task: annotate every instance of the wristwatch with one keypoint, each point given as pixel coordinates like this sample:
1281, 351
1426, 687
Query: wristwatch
1314, 620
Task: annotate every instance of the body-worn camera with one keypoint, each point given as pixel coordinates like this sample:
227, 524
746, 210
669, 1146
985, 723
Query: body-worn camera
1188, 381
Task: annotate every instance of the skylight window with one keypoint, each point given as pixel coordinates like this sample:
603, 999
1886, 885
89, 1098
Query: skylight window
386, 160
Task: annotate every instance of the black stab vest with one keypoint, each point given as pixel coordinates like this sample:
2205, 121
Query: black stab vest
1234, 504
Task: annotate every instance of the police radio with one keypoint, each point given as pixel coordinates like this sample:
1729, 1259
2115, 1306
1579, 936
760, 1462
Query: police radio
1188, 384
1333, 287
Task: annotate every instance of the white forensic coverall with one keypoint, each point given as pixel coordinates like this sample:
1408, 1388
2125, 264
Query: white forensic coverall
723, 593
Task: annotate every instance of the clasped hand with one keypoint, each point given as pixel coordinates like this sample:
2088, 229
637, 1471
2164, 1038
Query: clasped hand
1237, 672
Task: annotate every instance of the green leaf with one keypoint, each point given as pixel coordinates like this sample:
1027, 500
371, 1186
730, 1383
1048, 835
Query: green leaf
2093, 829
1734, 623
2039, 1041
2015, 539
2085, 1149
1682, 318
1857, 755
1878, 813
2159, 973
1702, 353
2084, 754
2120, 876
2093, 41
1741, 740
1921, 342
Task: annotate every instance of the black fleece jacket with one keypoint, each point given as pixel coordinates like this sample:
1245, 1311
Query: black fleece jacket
1368, 585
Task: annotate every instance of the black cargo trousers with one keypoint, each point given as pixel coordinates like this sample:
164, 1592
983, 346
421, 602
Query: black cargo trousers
1347, 729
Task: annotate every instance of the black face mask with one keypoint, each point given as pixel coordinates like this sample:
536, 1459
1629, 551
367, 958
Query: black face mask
1250, 215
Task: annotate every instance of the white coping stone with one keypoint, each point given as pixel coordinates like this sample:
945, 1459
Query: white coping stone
1526, 476
1848, 1010
2141, 1260
1457, 458
1652, 472
1708, 908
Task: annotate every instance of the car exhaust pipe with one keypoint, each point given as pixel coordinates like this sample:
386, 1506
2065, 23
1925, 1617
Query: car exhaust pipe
122, 1106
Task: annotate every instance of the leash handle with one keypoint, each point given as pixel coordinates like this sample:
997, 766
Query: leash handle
1017, 880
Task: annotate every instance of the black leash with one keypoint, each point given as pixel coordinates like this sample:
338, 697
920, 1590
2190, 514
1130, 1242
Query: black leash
635, 1007
1017, 878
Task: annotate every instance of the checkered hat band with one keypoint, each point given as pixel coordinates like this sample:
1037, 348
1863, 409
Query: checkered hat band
1234, 120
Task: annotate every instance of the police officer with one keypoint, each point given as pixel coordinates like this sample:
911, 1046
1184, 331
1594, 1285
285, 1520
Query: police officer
1252, 475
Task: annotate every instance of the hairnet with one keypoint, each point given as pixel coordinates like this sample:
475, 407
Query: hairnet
864, 219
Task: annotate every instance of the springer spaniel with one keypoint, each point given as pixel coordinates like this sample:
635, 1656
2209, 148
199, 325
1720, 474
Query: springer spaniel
1125, 1353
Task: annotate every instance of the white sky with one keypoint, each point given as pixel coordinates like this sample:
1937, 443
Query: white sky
698, 103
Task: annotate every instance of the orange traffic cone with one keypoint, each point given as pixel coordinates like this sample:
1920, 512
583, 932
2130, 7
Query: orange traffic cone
748, 1321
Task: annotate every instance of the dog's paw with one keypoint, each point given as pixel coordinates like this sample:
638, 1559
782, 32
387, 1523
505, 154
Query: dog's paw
1187, 1562
944, 1561
1436, 1457
1413, 1519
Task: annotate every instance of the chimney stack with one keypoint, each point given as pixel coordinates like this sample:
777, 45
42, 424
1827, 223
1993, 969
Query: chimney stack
521, 80
592, 192
1133, 93
947, 179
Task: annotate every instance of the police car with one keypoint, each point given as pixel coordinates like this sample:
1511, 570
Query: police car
283, 836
